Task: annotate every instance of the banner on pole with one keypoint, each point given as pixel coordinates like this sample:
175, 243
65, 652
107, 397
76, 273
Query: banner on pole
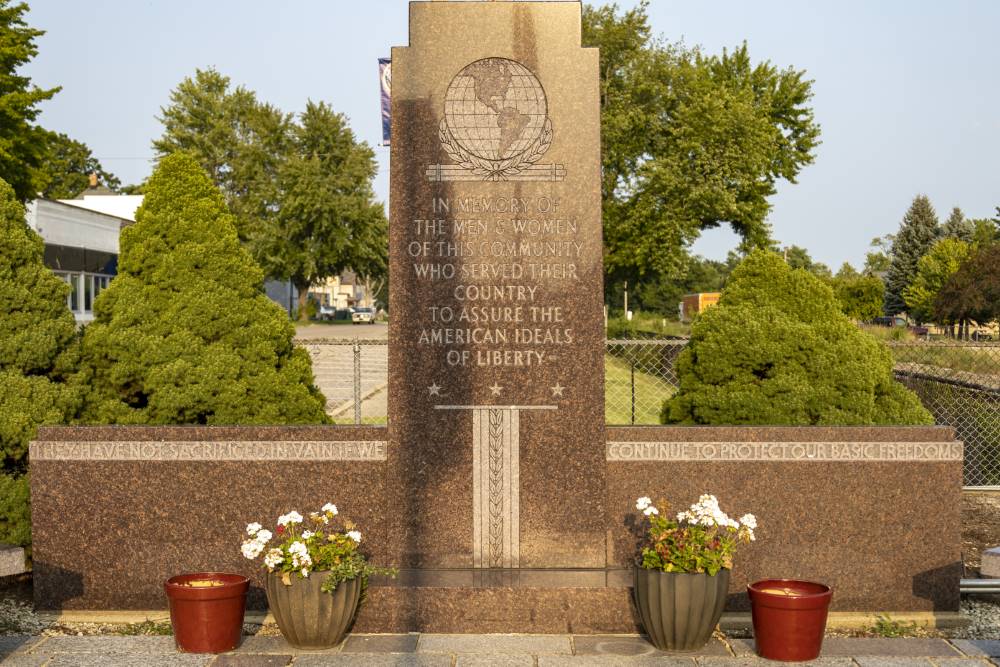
385, 83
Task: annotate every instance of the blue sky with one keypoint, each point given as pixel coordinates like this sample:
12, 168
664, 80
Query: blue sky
907, 91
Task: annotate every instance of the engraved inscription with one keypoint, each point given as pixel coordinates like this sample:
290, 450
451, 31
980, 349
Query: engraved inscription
784, 451
347, 450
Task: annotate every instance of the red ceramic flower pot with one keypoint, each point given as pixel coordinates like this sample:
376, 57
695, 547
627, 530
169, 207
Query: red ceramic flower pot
789, 618
209, 619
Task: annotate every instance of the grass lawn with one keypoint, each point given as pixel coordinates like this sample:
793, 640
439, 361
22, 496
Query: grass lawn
650, 392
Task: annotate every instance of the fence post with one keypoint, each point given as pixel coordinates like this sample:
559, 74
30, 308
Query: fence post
631, 366
357, 382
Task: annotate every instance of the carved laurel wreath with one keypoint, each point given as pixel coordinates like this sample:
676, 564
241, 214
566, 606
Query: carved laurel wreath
495, 170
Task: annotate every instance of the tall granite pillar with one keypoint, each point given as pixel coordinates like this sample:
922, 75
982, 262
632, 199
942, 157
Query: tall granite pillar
496, 372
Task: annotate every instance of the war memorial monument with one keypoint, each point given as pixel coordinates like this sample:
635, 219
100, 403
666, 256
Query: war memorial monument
496, 486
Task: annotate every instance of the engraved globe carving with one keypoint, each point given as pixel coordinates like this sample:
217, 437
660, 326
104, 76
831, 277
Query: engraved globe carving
495, 109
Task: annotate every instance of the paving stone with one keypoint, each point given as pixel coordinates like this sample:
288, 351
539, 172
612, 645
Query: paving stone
892, 661
381, 644
877, 646
17, 644
372, 660
275, 645
107, 645
625, 645
978, 647
495, 661
614, 661
989, 563
960, 662
23, 660
147, 660
250, 660
752, 661
495, 644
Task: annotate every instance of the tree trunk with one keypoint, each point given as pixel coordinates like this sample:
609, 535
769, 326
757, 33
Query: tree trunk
303, 302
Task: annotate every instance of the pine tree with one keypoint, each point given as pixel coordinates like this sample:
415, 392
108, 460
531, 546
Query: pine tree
917, 233
777, 350
185, 334
957, 227
37, 336
22, 143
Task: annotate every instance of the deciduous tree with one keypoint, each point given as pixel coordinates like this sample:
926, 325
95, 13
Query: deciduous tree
689, 142
67, 167
860, 296
972, 292
22, 143
933, 271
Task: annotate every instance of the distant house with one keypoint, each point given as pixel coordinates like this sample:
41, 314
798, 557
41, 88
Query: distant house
81, 247
341, 292
692, 304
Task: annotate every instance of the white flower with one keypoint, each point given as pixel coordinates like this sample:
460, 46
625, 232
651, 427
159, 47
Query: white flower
649, 511
291, 517
252, 528
354, 535
263, 536
251, 549
305, 572
306, 534
643, 503
331, 508
298, 547
273, 558
749, 520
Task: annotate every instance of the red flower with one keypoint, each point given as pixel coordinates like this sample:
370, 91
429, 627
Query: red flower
280, 530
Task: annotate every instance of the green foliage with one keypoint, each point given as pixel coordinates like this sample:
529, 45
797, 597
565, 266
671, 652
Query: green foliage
689, 141
661, 294
68, 166
973, 291
22, 144
878, 260
15, 510
985, 232
185, 334
701, 539
957, 227
37, 335
300, 189
860, 296
886, 626
917, 233
778, 350
799, 258
933, 271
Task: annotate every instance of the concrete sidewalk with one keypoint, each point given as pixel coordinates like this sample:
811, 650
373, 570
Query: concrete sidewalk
473, 650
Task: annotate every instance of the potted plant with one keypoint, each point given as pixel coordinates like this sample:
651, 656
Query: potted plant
789, 618
206, 610
315, 574
682, 580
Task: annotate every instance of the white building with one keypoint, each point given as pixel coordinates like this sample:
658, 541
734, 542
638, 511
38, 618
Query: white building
81, 247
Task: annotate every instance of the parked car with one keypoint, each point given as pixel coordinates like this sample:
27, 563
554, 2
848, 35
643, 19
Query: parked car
887, 321
363, 316
326, 313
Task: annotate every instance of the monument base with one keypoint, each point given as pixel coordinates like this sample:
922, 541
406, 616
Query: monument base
874, 512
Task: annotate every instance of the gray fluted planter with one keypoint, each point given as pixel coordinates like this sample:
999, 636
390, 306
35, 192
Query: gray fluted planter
680, 611
308, 617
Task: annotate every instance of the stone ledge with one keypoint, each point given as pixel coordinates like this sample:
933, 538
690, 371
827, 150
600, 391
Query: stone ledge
11, 560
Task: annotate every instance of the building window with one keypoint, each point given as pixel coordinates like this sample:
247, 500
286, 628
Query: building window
74, 295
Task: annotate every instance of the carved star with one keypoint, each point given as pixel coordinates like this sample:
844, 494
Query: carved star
495, 389
434, 389
557, 389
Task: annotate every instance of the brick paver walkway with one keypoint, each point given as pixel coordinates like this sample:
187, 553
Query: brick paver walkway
474, 650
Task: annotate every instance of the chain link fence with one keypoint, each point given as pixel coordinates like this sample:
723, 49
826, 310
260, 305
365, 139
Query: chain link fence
958, 382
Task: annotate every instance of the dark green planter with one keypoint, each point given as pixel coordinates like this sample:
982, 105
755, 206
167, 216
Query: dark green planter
680, 611
308, 617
